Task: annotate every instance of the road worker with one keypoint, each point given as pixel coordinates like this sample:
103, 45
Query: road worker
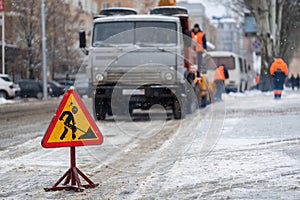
199, 36
221, 74
279, 71
257, 79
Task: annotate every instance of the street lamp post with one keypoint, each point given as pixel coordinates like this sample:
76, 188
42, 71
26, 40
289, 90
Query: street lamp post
44, 51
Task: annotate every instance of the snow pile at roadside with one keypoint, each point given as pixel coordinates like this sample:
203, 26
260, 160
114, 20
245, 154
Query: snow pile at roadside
288, 93
5, 101
252, 93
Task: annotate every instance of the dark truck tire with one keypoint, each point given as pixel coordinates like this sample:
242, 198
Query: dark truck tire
204, 101
179, 109
101, 108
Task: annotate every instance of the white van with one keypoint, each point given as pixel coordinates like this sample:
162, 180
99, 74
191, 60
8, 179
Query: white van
237, 68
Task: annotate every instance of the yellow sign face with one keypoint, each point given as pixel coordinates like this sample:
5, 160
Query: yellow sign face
72, 125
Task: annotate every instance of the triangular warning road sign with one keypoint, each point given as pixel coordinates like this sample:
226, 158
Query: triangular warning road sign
72, 125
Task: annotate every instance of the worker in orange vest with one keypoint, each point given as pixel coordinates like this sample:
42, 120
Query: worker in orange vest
199, 36
257, 79
279, 71
221, 74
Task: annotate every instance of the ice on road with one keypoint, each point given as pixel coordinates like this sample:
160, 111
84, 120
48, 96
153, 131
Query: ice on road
246, 147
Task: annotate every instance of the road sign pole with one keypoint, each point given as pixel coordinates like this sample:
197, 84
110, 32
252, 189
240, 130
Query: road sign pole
72, 175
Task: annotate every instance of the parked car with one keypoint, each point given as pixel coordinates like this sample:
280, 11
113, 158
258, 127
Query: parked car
7, 88
32, 88
65, 82
17, 90
57, 89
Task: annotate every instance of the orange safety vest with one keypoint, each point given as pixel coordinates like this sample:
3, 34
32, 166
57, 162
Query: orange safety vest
279, 64
199, 40
257, 79
219, 73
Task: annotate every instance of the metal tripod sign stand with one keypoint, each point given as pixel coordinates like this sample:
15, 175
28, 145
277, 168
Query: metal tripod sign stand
72, 126
72, 180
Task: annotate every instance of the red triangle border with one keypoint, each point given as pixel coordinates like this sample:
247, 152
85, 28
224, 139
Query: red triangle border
81, 105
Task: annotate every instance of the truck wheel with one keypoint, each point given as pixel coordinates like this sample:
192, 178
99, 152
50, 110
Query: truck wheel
109, 111
100, 112
204, 101
130, 111
179, 109
100, 109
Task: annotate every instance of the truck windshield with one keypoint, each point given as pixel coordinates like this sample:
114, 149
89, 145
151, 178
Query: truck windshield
155, 33
104, 32
140, 33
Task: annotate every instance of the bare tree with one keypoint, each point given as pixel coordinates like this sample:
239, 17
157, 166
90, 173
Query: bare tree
144, 6
62, 32
26, 26
62, 24
289, 40
278, 24
263, 11
277, 29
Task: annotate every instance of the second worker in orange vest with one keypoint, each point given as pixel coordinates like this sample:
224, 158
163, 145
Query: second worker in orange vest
221, 74
199, 36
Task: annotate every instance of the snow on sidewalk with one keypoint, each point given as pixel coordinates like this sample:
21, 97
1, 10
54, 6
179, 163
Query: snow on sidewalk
5, 101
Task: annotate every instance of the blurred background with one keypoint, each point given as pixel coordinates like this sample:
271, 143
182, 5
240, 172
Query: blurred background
236, 26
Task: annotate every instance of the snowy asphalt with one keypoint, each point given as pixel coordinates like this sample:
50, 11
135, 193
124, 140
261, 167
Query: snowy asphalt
246, 147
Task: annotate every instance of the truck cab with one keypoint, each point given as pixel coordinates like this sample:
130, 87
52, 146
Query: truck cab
135, 62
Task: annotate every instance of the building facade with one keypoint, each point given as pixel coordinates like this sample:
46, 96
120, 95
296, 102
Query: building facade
196, 13
142, 6
197, 16
87, 6
230, 34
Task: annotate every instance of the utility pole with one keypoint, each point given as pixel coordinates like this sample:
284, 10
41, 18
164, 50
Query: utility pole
3, 35
44, 50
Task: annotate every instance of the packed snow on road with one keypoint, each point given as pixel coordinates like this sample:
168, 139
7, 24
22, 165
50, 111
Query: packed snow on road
245, 147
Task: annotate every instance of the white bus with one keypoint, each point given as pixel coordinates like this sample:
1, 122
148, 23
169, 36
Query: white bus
237, 68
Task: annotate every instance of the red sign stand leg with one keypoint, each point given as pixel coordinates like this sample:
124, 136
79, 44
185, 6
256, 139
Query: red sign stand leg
72, 175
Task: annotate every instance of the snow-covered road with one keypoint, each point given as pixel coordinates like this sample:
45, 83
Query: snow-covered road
246, 147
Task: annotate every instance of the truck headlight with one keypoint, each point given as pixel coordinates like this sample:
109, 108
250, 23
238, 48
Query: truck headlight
99, 77
168, 76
